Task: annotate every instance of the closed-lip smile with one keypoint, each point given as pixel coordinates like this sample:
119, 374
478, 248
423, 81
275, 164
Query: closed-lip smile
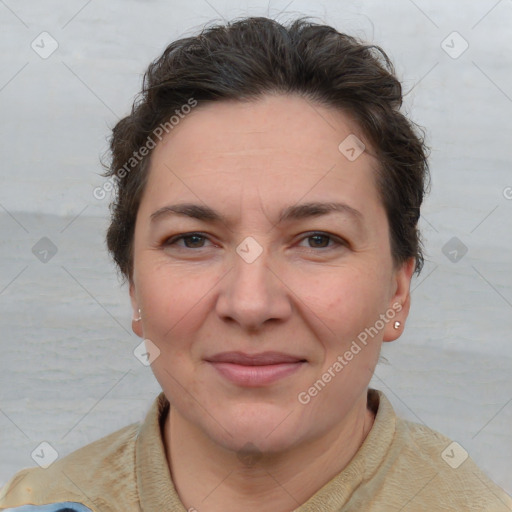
261, 359
254, 370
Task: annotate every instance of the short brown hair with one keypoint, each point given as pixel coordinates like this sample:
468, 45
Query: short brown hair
248, 58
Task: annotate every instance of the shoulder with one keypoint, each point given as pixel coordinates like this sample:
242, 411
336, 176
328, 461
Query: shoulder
442, 473
98, 476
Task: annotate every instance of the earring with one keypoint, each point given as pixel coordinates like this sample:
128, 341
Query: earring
138, 319
396, 325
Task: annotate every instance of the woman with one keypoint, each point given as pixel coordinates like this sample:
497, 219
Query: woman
268, 197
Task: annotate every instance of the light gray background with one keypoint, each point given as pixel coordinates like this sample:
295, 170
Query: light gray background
67, 372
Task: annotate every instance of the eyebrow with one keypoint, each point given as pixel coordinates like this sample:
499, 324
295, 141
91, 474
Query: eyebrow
290, 213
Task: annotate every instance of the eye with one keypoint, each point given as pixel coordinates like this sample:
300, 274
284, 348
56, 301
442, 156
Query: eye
191, 240
321, 240
195, 240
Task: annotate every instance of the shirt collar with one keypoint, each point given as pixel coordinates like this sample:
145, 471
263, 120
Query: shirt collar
157, 492
154, 483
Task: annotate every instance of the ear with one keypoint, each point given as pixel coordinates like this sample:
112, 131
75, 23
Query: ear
401, 300
136, 324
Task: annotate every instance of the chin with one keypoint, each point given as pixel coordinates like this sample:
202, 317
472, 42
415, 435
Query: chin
263, 428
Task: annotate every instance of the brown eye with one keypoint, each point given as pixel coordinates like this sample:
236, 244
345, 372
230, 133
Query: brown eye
323, 241
190, 240
319, 240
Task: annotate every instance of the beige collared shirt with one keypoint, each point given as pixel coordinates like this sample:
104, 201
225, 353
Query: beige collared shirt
401, 466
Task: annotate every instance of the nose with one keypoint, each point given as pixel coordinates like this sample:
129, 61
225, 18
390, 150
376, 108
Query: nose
253, 293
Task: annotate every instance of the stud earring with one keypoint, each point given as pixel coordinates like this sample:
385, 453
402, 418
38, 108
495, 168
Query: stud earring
138, 319
396, 325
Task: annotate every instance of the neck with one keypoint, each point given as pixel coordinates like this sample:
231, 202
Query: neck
210, 478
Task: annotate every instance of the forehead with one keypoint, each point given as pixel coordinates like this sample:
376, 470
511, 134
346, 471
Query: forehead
289, 123
280, 146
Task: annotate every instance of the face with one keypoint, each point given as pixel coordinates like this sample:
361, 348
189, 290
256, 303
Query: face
256, 294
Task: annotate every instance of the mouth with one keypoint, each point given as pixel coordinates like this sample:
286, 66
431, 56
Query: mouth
255, 370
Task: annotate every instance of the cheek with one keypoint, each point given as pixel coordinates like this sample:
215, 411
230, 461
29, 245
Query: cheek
344, 299
173, 299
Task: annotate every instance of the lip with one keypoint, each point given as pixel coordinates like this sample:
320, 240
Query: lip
261, 359
253, 370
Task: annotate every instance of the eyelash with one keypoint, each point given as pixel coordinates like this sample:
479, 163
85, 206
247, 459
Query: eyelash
172, 240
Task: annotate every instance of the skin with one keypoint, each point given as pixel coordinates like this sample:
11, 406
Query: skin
305, 296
